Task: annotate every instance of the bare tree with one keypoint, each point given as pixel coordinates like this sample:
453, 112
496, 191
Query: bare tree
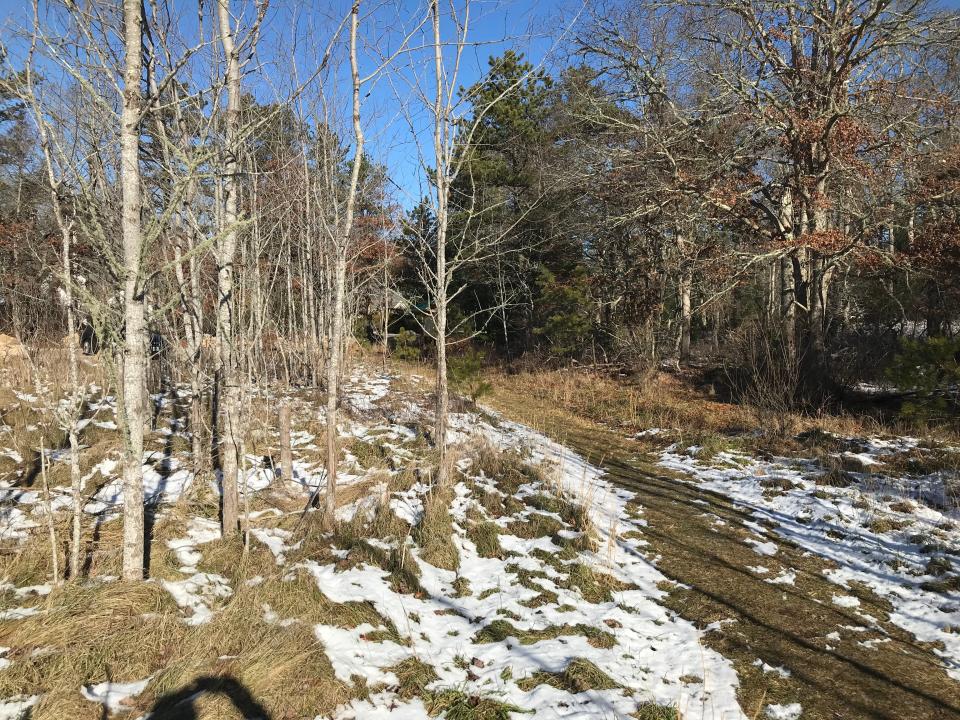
340, 243
231, 356
69, 412
134, 405
226, 255
443, 251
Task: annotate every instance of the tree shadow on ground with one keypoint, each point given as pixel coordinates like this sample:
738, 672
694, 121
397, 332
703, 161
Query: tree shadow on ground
181, 704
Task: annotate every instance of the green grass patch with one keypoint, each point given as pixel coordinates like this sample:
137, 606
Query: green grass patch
579, 676
652, 711
535, 525
486, 536
458, 705
434, 532
413, 676
500, 630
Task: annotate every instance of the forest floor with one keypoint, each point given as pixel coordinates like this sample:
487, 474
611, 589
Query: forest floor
595, 561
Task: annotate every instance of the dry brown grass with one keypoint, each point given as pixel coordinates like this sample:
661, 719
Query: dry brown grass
659, 400
579, 676
96, 631
434, 532
90, 633
674, 403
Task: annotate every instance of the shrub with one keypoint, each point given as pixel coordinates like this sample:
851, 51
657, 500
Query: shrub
464, 372
764, 373
405, 346
931, 368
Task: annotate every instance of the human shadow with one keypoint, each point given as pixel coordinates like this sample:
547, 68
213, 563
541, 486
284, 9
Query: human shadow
181, 704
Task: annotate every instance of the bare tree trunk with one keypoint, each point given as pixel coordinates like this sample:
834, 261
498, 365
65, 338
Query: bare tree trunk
818, 278
773, 290
71, 417
386, 305
817, 298
686, 281
48, 509
286, 454
788, 310
440, 130
310, 325
133, 406
341, 242
193, 331
230, 447
76, 481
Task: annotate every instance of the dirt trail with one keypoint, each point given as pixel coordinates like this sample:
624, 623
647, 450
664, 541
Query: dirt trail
698, 538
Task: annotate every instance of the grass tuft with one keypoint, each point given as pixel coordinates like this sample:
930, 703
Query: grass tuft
500, 630
458, 705
652, 711
413, 676
434, 532
579, 676
486, 536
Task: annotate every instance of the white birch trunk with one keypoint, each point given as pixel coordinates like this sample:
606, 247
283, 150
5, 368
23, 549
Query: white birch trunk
226, 302
686, 281
341, 242
133, 407
441, 119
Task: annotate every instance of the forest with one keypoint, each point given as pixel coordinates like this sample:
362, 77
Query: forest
474, 359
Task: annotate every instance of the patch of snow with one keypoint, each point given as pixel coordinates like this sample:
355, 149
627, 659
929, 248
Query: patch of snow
18, 613
113, 694
163, 485
17, 707
786, 577
834, 523
199, 531
846, 601
276, 541
408, 505
781, 671
197, 593
793, 711
762, 548
351, 654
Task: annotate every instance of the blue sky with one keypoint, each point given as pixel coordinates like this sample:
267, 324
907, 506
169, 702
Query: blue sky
528, 26
296, 32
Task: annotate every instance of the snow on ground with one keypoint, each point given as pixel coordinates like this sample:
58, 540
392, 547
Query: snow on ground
893, 534
659, 646
113, 695
793, 711
17, 707
198, 593
164, 481
199, 531
466, 636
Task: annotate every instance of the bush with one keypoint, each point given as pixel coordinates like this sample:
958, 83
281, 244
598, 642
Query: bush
930, 368
564, 313
464, 372
405, 346
764, 373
